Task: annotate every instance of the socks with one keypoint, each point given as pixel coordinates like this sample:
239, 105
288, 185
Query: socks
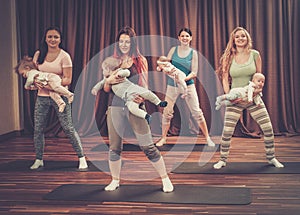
167, 185
163, 104
218, 102
276, 163
71, 98
161, 142
82, 163
61, 107
218, 106
148, 118
219, 165
115, 169
37, 163
114, 184
210, 143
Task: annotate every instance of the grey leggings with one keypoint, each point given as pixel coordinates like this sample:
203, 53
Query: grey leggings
42, 107
118, 119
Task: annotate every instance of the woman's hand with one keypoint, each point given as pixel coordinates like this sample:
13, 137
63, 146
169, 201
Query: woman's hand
236, 101
170, 72
38, 84
114, 78
257, 91
138, 99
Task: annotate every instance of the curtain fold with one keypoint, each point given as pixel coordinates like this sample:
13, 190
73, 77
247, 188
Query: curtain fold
89, 29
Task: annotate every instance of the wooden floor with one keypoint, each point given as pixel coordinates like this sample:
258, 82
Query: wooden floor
22, 192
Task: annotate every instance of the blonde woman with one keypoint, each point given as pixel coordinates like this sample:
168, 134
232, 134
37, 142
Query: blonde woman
237, 65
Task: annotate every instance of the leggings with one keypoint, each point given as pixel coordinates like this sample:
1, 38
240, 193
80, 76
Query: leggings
42, 107
117, 120
191, 101
260, 115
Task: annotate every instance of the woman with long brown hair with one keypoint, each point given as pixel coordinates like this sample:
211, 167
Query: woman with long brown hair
118, 115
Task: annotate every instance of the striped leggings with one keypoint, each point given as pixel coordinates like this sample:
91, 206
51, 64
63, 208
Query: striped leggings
260, 115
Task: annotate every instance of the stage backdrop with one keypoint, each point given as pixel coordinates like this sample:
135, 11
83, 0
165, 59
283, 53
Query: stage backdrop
89, 27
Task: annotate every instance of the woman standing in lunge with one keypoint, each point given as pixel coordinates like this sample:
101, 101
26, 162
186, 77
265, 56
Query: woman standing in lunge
238, 64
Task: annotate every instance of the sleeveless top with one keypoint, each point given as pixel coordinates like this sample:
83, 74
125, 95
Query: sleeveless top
184, 64
241, 74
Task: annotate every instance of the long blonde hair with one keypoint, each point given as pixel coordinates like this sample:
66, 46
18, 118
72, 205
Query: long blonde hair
230, 51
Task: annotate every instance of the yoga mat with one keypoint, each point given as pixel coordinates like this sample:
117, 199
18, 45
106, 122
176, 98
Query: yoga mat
166, 147
68, 166
237, 168
182, 194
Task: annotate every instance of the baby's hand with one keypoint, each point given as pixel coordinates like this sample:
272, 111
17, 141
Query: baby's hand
94, 91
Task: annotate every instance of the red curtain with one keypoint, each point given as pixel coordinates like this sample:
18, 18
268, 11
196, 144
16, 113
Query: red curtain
89, 29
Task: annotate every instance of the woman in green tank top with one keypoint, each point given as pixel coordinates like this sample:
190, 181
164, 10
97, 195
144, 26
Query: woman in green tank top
237, 65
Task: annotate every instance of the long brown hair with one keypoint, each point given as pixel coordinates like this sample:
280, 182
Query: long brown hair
230, 51
43, 45
134, 52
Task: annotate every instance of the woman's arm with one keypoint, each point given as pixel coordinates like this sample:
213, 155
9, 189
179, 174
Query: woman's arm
66, 76
225, 82
144, 74
111, 80
171, 52
194, 69
35, 57
258, 64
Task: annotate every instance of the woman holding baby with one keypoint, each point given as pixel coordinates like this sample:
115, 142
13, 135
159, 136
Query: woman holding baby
118, 115
184, 58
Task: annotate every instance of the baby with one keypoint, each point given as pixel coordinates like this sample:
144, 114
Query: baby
164, 64
246, 93
126, 89
27, 68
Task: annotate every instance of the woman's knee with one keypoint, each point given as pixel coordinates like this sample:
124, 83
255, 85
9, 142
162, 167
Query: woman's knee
167, 115
69, 131
198, 116
151, 152
114, 155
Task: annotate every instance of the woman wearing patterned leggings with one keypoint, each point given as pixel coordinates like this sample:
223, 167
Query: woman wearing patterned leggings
238, 63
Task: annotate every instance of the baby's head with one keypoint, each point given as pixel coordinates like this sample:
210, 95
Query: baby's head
259, 80
164, 59
162, 62
110, 64
26, 64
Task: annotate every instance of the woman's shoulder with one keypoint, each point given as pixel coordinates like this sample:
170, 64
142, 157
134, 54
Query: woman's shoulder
64, 53
255, 53
171, 52
195, 53
36, 56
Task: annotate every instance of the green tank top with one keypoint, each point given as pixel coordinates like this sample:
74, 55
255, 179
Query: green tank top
241, 74
184, 64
